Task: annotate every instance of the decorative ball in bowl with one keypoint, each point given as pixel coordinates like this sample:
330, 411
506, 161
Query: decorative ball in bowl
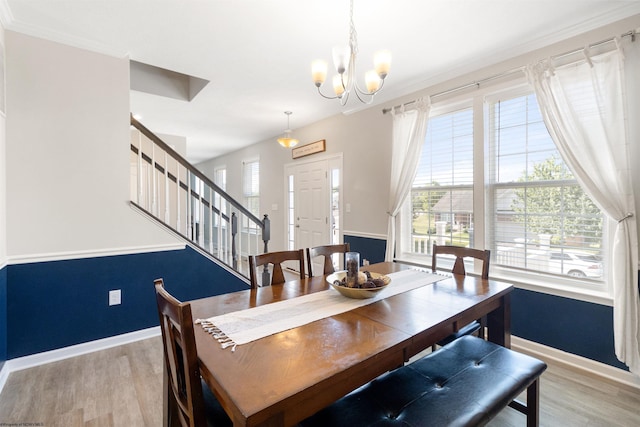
367, 285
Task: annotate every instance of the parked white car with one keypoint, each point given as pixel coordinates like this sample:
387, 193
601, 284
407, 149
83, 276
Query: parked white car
576, 264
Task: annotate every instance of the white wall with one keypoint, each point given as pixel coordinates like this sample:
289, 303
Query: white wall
67, 153
361, 136
364, 139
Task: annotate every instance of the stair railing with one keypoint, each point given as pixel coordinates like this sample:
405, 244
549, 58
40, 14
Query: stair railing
167, 187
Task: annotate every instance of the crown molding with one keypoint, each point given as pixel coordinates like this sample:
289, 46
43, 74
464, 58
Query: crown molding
9, 22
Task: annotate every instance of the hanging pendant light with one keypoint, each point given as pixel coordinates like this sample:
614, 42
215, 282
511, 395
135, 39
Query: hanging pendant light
286, 141
344, 59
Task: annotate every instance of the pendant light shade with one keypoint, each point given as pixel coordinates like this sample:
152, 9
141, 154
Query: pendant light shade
286, 141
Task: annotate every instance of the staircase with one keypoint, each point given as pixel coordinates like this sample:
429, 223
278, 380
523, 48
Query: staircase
176, 194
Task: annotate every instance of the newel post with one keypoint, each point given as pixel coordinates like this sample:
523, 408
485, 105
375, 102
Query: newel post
234, 231
266, 232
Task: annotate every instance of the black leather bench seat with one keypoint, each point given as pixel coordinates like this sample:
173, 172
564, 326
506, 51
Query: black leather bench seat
465, 383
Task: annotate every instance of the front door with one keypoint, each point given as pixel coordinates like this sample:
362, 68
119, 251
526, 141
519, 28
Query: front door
313, 201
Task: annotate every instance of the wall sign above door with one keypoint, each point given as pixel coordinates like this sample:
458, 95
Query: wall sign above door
306, 150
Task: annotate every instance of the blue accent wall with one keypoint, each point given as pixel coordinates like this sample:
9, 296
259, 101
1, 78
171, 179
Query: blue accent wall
56, 304
577, 327
3, 316
371, 249
573, 326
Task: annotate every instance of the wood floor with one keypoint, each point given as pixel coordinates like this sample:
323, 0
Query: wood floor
122, 386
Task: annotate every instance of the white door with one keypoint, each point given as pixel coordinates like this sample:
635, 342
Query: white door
310, 216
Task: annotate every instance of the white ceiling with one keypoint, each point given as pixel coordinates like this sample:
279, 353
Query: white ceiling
257, 53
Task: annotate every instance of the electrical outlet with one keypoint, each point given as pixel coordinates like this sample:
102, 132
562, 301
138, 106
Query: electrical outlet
115, 297
365, 261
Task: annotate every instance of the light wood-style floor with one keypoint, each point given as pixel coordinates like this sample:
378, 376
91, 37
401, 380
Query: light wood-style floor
122, 386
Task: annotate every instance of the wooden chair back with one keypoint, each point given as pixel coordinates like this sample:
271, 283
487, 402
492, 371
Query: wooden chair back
326, 251
276, 259
460, 253
181, 357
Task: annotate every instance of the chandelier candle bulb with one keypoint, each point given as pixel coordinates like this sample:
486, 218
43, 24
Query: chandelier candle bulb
319, 72
338, 88
341, 56
382, 63
372, 81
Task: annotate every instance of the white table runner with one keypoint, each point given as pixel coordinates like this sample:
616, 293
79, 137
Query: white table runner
241, 327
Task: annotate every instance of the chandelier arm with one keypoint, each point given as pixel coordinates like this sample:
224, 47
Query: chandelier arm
360, 97
325, 96
365, 93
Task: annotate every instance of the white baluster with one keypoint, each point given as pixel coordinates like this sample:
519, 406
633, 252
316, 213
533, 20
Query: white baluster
211, 221
190, 233
178, 207
167, 208
154, 181
139, 177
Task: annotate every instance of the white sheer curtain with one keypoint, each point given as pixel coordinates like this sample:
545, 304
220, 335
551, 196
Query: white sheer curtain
409, 131
583, 105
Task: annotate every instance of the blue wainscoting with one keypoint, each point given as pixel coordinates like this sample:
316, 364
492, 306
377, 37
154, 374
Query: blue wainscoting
369, 248
56, 304
577, 327
3, 316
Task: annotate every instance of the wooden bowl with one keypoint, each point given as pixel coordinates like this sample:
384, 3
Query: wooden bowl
357, 293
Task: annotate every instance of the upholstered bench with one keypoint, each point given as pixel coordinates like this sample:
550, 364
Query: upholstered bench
465, 383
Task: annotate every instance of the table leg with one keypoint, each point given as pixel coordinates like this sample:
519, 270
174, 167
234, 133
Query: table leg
499, 323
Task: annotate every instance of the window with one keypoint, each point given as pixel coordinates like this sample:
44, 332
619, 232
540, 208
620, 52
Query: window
540, 219
442, 192
291, 221
251, 190
335, 208
490, 176
220, 177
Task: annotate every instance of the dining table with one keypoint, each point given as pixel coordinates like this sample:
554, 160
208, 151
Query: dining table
283, 378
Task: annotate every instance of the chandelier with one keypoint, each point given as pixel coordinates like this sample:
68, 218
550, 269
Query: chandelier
286, 141
344, 60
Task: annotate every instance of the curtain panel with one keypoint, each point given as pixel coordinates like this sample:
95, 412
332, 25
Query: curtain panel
584, 107
409, 131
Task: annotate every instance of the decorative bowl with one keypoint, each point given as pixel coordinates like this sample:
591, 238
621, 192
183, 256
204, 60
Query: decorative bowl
358, 293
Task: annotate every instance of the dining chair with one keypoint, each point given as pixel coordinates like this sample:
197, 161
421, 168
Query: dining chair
460, 253
325, 251
195, 404
275, 259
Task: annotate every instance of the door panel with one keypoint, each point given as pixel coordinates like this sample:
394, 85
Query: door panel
312, 202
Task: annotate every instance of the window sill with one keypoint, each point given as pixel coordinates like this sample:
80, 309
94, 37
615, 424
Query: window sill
551, 285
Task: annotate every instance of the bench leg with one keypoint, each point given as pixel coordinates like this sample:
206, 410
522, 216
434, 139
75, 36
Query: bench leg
533, 404
532, 408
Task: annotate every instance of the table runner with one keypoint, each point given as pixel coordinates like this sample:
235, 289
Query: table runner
244, 326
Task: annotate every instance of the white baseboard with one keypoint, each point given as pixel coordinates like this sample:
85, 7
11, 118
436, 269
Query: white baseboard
25, 362
579, 363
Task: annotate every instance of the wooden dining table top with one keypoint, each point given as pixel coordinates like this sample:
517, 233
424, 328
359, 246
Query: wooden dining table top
286, 377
